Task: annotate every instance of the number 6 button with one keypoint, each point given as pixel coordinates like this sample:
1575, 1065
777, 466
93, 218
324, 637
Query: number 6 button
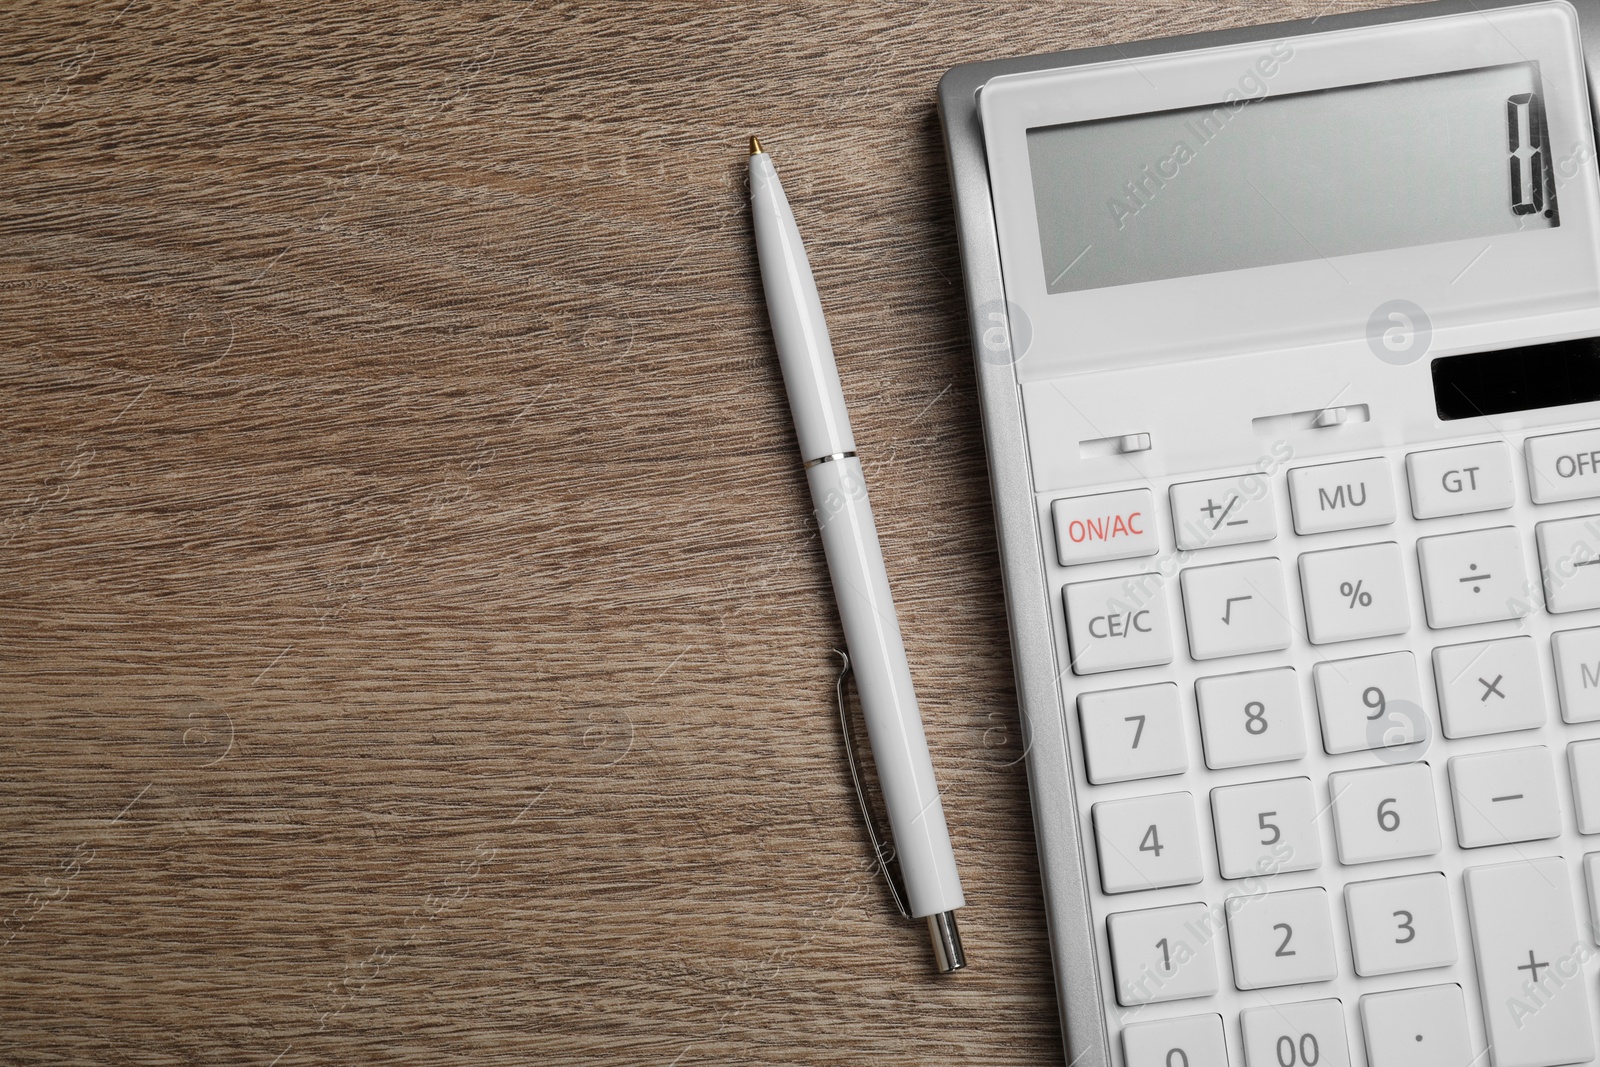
1386, 813
1281, 939
1147, 843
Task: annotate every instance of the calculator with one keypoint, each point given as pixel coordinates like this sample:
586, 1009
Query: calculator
1288, 350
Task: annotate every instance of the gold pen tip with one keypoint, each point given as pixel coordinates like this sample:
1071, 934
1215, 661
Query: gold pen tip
755, 147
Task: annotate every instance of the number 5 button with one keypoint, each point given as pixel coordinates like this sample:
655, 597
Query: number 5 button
1147, 843
1281, 939
1266, 827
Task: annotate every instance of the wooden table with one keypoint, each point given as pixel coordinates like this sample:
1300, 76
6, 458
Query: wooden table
416, 643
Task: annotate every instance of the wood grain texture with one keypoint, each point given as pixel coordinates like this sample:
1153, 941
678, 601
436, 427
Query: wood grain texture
415, 639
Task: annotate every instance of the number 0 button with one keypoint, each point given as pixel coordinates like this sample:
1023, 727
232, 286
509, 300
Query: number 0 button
1147, 843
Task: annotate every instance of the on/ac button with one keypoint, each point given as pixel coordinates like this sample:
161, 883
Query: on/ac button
1105, 526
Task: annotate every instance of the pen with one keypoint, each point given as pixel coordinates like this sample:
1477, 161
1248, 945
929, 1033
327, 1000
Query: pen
855, 565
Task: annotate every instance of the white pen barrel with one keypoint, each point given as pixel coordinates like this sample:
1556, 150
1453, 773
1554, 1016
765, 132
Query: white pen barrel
888, 703
798, 330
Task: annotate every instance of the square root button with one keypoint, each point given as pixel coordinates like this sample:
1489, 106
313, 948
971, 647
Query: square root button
1118, 623
1235, 609
1105, 526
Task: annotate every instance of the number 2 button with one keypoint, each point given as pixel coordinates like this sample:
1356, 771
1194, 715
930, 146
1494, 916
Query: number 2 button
1281, 939
1147, 843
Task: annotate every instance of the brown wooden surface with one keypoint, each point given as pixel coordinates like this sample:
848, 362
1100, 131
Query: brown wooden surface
415, 644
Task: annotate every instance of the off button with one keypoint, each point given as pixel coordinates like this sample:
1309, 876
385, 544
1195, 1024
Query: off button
1105, 526
1564, 466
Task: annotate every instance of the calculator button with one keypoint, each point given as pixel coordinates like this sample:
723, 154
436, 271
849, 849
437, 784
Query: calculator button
1147, 842
1342, 496
1563, 466
1525, 935
1224, 511
1401, 924
1118, 623
1281, 939
1133, 733
1352, 593
1577, 656
1370, 702
1255, 717
1504, 797
1473, 577
1489, 687
1105, 526
1157, 955
1384, 813
1460, 481
1194, 1040
1569, 558
1266, 827
1311, 1033
1583, 760
1417, 1028
1591, 870
1234, 609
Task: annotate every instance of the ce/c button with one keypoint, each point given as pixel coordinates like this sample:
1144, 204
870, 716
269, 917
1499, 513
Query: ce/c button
1118, 624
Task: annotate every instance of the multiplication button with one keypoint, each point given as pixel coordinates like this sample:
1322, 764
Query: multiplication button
1354, 593
1118, 624
1224, 511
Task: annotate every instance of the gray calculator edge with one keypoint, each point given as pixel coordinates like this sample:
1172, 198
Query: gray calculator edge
1055, 816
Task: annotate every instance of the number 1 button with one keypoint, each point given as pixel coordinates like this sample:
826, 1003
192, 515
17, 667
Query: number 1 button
1147, 843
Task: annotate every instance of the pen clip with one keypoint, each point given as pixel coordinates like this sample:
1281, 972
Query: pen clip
879, 851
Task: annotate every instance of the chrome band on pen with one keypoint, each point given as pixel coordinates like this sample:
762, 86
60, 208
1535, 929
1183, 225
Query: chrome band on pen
834, 458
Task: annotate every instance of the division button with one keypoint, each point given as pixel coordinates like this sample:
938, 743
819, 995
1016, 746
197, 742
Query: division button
1474, 577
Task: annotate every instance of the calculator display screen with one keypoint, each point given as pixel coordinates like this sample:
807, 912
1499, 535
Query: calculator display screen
1266, 179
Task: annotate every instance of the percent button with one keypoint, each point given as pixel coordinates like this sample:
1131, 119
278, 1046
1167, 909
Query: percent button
1354, 593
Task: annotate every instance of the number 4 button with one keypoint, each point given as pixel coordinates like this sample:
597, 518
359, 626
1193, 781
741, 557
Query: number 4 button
1147, 842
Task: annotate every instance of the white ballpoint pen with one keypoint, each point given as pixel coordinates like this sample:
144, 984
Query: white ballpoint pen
855, 564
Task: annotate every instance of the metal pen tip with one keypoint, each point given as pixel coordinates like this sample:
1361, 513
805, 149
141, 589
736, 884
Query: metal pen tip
755, 147
948, 954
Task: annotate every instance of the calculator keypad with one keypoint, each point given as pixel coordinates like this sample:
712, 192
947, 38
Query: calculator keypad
1388, 725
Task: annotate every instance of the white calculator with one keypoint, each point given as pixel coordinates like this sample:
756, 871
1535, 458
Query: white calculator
1288, 345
